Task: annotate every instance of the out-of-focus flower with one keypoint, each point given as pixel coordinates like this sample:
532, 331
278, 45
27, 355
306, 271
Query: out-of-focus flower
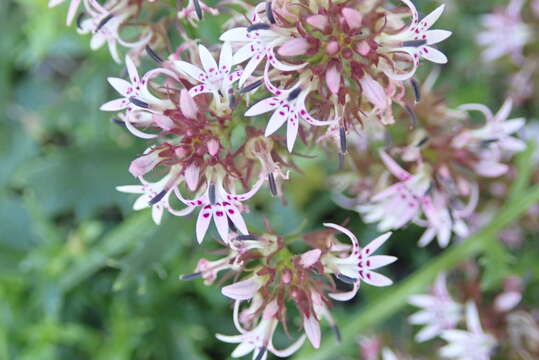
473, 344
438, 312
505, 33
73, 6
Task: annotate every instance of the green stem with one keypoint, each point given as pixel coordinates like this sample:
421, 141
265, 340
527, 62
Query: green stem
397, 298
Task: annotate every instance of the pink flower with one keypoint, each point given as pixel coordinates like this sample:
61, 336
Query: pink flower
357, 265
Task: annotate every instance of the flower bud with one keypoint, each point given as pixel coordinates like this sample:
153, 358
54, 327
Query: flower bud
294, 47
144, 164
213, 147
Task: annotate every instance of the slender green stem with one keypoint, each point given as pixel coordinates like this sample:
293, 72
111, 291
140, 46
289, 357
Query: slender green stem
397, 298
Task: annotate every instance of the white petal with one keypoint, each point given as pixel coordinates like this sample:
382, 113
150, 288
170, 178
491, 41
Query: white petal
434, 55
207, 60
263, 106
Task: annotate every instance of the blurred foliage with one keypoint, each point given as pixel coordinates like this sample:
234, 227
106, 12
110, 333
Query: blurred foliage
81, 275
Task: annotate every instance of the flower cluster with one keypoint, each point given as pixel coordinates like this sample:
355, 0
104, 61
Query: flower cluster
273, 277
444, 159
341, 76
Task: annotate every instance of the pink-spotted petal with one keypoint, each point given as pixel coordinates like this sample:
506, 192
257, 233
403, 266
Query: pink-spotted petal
375, 279
277, 119
203, 222
431, 18
393, 167
115, 105
221, 222
377, 261
245, 52
236, 34
433, 55
121, 86
190, 70
234, 214
280, 65
263, 106
375, 244
207, 60
200, 89
131, 70
225, 58
250, 68
292, 127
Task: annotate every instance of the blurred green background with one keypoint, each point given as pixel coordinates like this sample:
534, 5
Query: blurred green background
84, 277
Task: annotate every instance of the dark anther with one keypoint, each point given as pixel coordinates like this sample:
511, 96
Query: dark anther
346, 279
413, 117
341, 161
211, 194
198, 9
414, 43
232, 102
103, 22
251, 86
79, 20
138, 102
158, 197
261, 353
191, 276
119, 122
337, 333
153, 55
486, 143
417, 91
246, 237
269, 13
422, 141
342, 138
220, 92
258, 26
231, 225
293, 94
272, 184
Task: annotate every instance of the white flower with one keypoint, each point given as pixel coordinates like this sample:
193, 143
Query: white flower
438, 311
416, 39
257, 43
104, 23
73, 6
259, 339
505, 33
156, 194
473, 344
287, 106
358, 265
214, 79
217, 203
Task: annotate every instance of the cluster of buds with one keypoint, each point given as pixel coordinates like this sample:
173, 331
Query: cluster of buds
272, 277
